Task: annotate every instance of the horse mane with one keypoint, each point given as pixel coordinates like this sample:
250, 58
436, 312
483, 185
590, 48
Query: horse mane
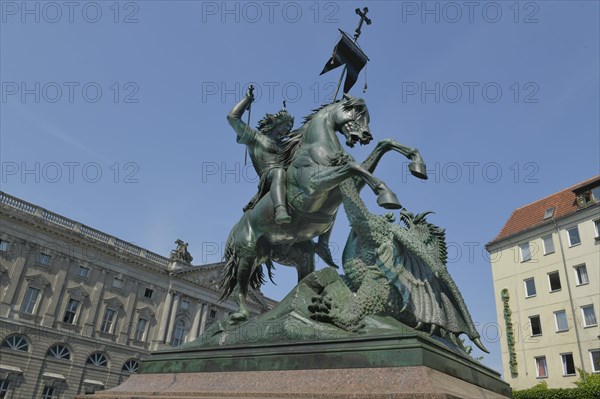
348, 103
290, 143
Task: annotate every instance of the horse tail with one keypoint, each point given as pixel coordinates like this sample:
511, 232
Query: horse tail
232, 256
229, 280
257, 279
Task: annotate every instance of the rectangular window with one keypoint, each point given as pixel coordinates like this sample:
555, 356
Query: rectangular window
554, 280
117, 283
548, 244
536, 325
573, 234
530, 288
525, 252
568, 364
148, 293
83, 271
3, 388
581, 275
561, 321
3, 246
212, 314
48, 392
107, 321
589, 316
597, 228
30, 302
43, 259
541, 367
595, 358
185, 304
140, 329
71, 311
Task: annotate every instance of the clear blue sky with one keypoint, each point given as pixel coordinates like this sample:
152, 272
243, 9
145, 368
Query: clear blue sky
113, 114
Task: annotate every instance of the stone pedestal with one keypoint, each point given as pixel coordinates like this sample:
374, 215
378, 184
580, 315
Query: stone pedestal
390, 366
375, 383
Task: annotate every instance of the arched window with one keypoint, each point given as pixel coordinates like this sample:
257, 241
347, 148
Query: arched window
178, 333
59, 351
98, 359
131, 366
16, 342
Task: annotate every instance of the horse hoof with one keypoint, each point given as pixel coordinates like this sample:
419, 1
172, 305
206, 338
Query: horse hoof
418, 169
388, 200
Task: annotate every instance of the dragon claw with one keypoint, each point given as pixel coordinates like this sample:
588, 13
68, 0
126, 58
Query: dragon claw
453, 338
321, 308
434, 329
480, 345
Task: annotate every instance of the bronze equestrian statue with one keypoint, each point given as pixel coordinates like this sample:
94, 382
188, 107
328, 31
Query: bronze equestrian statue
316, 164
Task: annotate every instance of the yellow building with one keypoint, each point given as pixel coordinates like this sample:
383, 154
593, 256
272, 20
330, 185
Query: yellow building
79, 307
545, 266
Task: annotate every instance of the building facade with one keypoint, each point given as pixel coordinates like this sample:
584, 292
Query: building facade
545, 265
79, 308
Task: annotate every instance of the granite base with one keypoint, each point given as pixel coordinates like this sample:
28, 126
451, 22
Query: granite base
374, 383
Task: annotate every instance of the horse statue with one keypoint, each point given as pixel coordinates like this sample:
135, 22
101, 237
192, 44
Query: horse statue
317, 165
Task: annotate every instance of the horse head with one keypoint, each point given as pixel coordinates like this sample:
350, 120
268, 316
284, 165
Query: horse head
351, 118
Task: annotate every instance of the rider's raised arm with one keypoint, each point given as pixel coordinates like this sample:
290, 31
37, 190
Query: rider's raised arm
245, 134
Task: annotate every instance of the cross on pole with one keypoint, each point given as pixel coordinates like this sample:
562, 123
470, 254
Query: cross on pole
357, 32
363, 18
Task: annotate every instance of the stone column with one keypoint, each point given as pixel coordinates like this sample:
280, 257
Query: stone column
16, 273
96, 299
205, 310
172, 318
164, 316
130, 313
60, 284
196, 323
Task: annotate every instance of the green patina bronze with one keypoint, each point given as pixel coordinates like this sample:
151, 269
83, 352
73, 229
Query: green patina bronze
313, 163
391, 270
395, 279
510, 335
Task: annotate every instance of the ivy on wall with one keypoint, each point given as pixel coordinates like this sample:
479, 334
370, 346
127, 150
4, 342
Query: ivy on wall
510, 336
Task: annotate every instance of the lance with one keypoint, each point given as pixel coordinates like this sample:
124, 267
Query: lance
251, 91
357, 32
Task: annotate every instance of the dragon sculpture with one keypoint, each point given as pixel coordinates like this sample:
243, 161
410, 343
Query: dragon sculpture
396, 270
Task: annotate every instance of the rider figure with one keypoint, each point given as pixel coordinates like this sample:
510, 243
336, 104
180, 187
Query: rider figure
264, 146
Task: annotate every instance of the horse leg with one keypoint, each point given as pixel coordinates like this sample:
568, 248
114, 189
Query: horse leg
300, 255
306, 260
331, 177
240, 292
416, 167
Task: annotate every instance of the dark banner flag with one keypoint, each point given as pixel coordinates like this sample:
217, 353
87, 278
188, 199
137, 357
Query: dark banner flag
347, 52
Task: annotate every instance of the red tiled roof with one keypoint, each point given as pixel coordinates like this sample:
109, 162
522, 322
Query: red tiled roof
531, 215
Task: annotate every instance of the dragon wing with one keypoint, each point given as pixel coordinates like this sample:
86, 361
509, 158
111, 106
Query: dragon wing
416, 268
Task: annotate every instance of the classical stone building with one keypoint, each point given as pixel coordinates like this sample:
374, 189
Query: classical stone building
545, 265
79, 307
